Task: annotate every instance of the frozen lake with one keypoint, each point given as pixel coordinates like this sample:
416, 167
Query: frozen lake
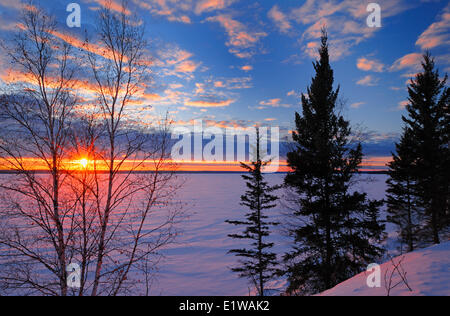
199, 264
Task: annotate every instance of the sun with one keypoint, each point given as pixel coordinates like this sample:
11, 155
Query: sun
83, 162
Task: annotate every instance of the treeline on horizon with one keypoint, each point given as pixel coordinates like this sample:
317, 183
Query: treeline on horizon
337, 233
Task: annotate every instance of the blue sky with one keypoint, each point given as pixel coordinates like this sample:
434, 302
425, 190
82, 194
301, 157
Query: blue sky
237, 63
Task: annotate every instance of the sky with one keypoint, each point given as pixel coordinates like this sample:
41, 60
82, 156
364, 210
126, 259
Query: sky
241, 62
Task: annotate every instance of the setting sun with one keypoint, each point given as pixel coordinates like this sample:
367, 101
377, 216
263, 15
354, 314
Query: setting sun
83, 162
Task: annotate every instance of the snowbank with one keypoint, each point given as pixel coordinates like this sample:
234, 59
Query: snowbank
427, 274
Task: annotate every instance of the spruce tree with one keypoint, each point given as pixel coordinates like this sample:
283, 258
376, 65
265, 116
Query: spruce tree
403, 209
335, 231
258, 263
429, 124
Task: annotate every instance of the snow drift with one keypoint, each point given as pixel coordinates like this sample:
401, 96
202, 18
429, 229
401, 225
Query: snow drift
426, 272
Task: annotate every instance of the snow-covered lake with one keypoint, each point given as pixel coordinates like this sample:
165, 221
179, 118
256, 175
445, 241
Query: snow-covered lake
199, 264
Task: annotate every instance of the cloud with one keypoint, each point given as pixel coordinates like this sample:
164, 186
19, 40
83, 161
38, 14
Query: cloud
113, 4
80, 86
247, 68
292, 93
411, 61
357, 105
174, 61
271, 102
368, 81
370, 65
241, 41
274, 103
200, 88
209, 104
438, 33
280, 19
182, 10
89, 47
212, 5
238, 83
186, 67
345, 21
402, 105
11, 4
174, 11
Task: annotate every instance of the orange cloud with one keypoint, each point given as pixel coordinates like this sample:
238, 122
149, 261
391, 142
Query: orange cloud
408, 61
209, 104
239, 38
186, 67
369, 65
176, 62
77, 43
113, 5
275, 103
271, 102
13, 76
16, 76
211, 5
402, 105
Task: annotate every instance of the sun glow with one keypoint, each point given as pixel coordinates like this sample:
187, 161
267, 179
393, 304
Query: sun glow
83, 162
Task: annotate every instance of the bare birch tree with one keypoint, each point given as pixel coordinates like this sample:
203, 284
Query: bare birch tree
119, 74
110, 214
36, 117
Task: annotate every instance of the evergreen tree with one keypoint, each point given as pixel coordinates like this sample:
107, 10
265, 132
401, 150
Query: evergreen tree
259, 263
335, 230
401, 198
428, 121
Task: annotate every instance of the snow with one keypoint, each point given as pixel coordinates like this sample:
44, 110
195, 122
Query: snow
427, 274
198, 265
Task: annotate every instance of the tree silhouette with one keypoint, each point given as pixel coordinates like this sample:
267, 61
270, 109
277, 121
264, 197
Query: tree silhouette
259, 263
335, 232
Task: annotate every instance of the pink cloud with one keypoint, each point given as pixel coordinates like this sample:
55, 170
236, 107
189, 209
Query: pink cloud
280, 19
175, 61
209, 104
357, 105
113, 4
368, 81
345, 21
186, 67
369, 65
211, 5
275, 103
408, 61
402, 105
240, 40
438, 33
181, 10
